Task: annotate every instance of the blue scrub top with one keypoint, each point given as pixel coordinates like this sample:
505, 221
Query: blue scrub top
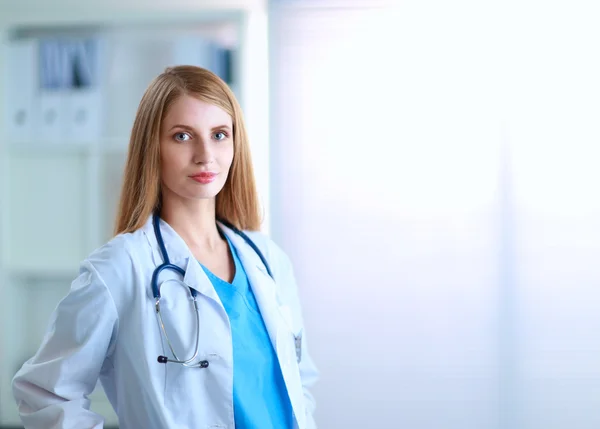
260, 398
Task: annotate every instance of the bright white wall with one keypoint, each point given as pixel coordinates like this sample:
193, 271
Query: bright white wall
434, 168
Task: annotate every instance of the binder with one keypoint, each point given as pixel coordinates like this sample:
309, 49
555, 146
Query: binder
21, 89
83, 115
54, 78
70, 97
50, 116
83, 101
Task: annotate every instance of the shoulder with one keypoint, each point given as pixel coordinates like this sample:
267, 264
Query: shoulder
283, 274
114, 263
272, 251
277, 258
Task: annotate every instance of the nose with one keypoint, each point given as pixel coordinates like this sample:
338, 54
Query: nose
202, 152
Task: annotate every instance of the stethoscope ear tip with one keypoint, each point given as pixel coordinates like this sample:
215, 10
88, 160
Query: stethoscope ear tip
163, 359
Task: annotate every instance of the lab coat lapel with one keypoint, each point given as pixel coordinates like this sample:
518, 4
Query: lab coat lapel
196, 278
280, 333
263, 287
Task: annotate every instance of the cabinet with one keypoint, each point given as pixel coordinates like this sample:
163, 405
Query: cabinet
60, 184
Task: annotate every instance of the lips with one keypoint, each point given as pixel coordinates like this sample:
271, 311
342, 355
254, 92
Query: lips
204, 177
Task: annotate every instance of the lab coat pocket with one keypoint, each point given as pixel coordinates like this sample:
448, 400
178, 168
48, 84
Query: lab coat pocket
205, 387
192, 330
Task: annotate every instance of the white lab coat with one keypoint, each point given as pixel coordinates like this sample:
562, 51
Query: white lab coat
106, 328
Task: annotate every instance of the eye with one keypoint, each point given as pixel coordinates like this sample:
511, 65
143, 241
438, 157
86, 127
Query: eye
182, 137
220, 135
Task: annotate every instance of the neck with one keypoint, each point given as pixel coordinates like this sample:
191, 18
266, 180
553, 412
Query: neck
195, 223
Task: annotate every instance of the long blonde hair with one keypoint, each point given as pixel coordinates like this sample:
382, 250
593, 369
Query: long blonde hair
237, 203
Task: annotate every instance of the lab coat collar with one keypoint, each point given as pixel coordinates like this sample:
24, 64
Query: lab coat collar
179, 254
195, 277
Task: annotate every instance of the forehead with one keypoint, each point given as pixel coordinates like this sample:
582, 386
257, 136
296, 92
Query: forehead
193, 112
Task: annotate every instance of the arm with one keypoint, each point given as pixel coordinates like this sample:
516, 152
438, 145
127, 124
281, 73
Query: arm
51, 389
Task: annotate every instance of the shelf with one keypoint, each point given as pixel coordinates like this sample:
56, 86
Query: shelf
34, 13
59, 192
37, 274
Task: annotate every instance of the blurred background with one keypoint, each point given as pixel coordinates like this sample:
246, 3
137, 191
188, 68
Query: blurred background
431, 168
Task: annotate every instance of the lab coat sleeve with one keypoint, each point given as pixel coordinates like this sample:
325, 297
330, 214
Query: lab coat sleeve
51, 389
309, 374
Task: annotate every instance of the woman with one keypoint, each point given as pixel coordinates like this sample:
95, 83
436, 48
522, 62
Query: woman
227, 350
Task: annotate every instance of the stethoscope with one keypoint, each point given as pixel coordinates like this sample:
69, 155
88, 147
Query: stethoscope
167, 265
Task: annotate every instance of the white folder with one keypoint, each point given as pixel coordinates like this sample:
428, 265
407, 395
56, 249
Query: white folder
84, 105
50, 116
22, 84
54, 78
83, 115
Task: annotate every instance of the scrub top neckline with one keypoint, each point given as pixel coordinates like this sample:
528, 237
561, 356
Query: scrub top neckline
236, 263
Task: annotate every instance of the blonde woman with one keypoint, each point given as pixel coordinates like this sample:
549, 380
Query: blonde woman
189, 316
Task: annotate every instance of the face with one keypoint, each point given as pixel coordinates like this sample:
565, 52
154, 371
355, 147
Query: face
196, 147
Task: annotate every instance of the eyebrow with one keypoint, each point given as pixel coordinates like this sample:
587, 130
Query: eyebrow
187, 127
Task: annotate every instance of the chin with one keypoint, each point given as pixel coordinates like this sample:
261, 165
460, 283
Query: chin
206, 197
206, 194
199, 192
